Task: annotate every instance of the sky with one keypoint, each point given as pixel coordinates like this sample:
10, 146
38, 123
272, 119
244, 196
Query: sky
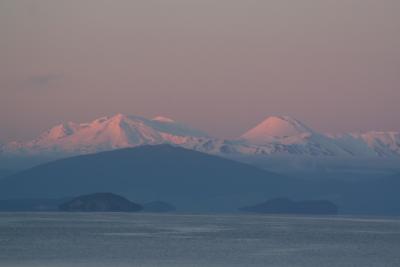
219, 65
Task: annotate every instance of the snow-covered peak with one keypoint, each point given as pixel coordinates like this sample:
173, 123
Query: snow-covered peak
60, 131
277, 128
106, 133
383, 143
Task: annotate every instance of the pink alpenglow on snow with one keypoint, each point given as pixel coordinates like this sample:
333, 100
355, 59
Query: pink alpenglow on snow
276, 135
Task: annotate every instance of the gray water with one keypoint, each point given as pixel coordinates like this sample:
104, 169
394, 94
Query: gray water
100, 239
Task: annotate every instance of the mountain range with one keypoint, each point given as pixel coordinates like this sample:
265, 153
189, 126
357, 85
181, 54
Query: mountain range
276, 135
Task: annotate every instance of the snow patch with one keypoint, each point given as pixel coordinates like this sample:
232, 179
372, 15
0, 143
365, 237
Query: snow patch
162, 119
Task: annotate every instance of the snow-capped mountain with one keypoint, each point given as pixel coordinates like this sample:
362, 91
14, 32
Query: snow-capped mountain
285, 135
276, 135
278, 129
107, 133
374, 143
383, 143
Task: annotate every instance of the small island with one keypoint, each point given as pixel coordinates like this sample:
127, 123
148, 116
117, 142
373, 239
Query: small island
287, 206
100, 202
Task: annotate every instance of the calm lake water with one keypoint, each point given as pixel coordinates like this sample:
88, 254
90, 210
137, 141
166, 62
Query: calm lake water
100, 239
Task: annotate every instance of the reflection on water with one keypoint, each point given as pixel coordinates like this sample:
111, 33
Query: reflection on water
100, 239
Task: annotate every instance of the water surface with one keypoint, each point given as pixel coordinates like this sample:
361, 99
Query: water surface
123, 239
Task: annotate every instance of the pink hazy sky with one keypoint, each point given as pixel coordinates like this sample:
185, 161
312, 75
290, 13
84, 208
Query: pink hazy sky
219, 65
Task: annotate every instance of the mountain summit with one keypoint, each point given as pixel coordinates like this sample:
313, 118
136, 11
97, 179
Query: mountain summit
277, 129
108, 133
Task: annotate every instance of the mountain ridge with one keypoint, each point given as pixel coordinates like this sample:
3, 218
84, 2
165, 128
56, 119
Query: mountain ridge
276, 135
192, 179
